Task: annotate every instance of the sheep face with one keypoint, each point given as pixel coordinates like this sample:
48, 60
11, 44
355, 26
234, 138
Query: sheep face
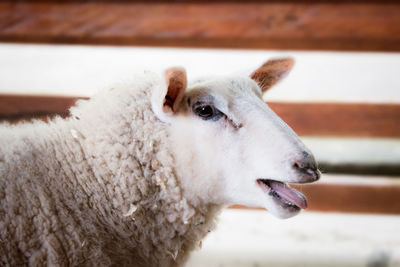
231, 148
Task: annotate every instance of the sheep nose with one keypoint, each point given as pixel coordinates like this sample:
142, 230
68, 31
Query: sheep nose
308, 168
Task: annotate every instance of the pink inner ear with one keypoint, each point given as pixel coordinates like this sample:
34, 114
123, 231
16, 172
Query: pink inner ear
176, 80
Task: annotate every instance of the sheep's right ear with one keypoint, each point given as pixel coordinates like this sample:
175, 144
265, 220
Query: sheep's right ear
271, 72
165, 102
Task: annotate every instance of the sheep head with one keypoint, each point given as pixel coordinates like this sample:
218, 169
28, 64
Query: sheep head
229, 146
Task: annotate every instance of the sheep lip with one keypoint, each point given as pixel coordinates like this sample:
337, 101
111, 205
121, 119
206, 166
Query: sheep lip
283, 194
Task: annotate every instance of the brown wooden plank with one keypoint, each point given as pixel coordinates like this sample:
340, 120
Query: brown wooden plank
341, 119
14, 105
321, 25
16, 108
307, 119
363, 198
381, 198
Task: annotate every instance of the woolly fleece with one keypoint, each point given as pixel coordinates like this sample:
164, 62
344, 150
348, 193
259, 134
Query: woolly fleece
96, 189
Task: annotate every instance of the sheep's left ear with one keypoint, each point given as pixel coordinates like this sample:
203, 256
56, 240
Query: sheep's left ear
165, 102
272, 72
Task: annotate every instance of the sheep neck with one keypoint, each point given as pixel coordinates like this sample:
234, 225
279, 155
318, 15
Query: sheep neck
138, 195
97, 189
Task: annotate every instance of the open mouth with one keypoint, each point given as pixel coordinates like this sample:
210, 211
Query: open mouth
285, 196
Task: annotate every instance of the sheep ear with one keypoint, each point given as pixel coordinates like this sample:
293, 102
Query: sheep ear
176, 86
165, 99
272, 72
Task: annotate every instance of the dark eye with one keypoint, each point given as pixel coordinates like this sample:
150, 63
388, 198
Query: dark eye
205, 111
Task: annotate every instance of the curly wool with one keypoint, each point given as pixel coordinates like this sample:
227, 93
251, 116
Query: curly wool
96, 189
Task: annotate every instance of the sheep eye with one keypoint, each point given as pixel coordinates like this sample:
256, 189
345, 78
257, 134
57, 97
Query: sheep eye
205, 112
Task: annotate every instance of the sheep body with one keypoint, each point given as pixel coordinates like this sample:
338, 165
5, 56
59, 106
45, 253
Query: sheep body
137, 174
96, 189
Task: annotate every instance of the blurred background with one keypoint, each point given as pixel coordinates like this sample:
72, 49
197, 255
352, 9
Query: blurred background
342, 98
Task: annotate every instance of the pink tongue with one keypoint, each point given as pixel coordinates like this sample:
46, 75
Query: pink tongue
289, 194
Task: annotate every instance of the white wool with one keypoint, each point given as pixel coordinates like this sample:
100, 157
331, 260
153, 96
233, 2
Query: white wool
98, 188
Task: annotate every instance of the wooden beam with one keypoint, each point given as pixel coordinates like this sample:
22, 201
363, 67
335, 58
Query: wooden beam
341, 119
379, 168
362, 198
359, 197
305, 25
20, 105
307, 119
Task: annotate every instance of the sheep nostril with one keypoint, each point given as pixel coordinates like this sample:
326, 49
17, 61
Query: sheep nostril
302, 166
308, 168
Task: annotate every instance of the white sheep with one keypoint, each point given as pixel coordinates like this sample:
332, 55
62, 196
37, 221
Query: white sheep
137, 174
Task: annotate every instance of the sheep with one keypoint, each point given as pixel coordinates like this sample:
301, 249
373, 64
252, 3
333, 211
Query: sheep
137, 175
